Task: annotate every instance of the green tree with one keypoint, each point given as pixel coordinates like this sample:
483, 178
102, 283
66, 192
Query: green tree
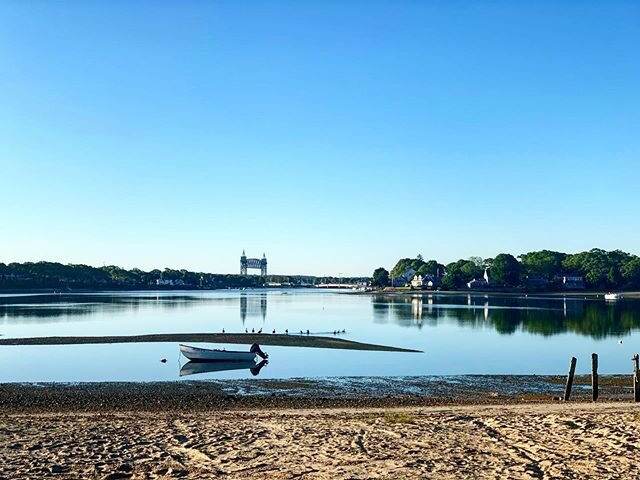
505, 270
471, 270
544, 263
431, 267
405, 264
380, 277
631, 272
460, 272
477, 260
600, 268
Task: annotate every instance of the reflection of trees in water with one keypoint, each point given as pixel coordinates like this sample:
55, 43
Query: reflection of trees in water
545, 316
57, 307
60, 307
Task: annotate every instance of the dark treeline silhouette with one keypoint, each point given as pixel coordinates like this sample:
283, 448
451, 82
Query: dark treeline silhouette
539, 270
52, 275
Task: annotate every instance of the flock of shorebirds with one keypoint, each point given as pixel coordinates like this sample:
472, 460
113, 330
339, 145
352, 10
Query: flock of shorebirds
286, 331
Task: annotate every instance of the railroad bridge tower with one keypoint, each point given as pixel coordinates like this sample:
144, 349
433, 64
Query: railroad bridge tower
255, 263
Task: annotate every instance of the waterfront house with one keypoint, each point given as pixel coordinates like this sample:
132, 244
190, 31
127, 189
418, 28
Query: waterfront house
480, 283
425, 282
404, 279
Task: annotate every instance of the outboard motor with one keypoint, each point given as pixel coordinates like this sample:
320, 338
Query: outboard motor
255, 348
256, 370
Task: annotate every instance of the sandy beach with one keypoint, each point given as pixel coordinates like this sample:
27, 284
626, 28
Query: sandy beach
458, 427
580, 440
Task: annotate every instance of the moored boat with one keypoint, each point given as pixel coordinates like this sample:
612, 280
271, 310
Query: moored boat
198, 354
611, 296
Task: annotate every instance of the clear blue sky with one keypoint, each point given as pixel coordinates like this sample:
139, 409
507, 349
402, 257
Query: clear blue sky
334, 136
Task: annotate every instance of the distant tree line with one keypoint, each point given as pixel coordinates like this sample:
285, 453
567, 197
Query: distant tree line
52, 275
600, 269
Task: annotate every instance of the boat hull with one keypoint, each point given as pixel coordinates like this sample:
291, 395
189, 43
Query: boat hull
196, 354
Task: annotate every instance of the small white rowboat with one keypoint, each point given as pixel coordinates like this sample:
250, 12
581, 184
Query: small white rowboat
197, 354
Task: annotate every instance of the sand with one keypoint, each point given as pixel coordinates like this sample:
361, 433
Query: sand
292, 340
553, 440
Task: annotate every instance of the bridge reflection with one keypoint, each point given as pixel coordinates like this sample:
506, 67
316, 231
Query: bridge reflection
253, 306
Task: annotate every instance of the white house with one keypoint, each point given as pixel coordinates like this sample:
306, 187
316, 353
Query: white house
481, 283
427, 281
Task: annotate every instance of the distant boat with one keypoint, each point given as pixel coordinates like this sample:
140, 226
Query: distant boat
612, 296
194, 368
197, 354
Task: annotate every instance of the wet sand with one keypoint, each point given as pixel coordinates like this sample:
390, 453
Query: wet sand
292, 340
580, 440
338, 392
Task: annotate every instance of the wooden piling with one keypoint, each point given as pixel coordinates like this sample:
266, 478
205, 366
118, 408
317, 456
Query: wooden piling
636, 374
572, 371
594, 376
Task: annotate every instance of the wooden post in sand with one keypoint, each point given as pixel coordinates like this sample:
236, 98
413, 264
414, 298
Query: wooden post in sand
572, 371
636, 373
594, 376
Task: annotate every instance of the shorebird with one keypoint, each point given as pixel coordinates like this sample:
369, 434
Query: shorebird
274, 331
223, 330
286, 331
307, 331
246, 330
343, 330
253, 331
260, 331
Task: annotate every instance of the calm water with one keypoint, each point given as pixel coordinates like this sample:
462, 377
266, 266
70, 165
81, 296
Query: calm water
459, 334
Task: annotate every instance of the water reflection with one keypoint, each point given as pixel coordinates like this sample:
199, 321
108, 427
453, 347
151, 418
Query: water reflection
253, 305
301, 309
194, 368
538, 315
60, 306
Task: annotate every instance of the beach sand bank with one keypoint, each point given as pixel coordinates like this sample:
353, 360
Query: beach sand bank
557, 440
455, 427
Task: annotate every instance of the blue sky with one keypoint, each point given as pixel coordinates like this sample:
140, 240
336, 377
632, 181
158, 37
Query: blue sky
334, 136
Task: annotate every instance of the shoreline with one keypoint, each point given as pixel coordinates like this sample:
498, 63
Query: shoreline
304, 393
572, 294
394, 290
201, 430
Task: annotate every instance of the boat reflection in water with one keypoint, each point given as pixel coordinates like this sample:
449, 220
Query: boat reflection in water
194, 368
